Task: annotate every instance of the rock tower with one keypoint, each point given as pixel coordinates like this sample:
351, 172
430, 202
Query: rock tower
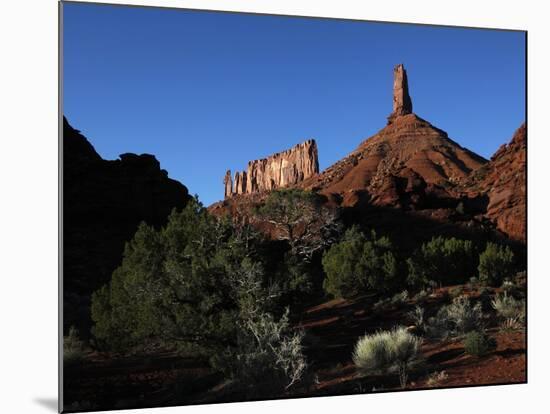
402, 104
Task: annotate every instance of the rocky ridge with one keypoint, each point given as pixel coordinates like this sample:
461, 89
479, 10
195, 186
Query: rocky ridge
409, 156
103, 203
412, 168
279, 170
504, 181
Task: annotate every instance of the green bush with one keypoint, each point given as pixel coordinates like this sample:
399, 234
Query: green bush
358, 263
447, 261
388, 351
477, 343
496, 263
302, 219
270, 356
199, 284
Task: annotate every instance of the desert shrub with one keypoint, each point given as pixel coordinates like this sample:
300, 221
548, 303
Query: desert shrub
421, 296
477, 343
511, 324
511, 311
456, 291
73, 347
173, 283
473, 283
464, 316
496, 263
199, 282
448, 261
521, 278
269, 357
438, 326
512, 288
457, 318
390, 351
484, 291
436, 378
507, 286
302, 219
358, 263
295, 278
400, 298
417, 318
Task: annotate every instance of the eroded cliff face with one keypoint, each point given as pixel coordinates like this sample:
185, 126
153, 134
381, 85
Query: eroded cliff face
504, 181
410, 174
280, 170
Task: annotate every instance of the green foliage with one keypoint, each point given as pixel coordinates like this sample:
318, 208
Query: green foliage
496, 263
448, 261
295, 279
73, 348
393, 350
199, 283
269, 354
301, 219
173, 283
357, 264
477, 343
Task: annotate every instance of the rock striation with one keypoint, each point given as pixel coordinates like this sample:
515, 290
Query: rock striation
407, 156
504, 181
280, 170
410, 175
402, 103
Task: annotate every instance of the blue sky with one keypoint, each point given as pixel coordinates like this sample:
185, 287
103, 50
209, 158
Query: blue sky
206, 92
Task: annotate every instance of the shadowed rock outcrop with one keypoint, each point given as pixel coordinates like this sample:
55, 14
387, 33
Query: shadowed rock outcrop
103, 203
504, 181
280, 170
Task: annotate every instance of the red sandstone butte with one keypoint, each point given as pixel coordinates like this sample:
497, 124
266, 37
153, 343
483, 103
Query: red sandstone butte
279, 170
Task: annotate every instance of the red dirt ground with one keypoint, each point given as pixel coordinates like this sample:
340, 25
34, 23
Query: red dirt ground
332, 328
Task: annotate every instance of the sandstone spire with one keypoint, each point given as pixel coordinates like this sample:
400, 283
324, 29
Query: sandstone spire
402, 104
240, 182
228, 184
